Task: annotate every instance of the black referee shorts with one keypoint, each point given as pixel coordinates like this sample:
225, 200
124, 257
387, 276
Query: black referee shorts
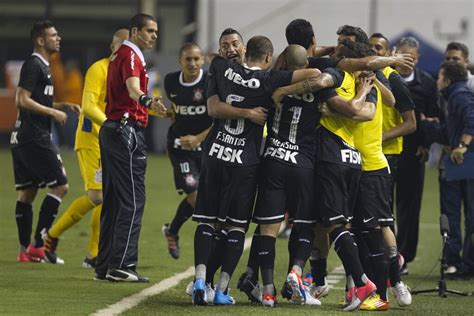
226, 194
38, 164
372, 206
282, 187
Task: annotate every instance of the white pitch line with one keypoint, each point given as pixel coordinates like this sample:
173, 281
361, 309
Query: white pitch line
133, 300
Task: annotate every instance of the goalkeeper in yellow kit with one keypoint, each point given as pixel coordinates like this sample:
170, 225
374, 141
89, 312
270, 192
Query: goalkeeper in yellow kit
88, 153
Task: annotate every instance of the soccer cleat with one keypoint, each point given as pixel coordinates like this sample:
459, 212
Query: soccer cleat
294, 281
50, 246
23, 257
250, 288
348, 295
36, 254
173, 242
89, 263
374, 303
125, 275
286, 291
189, 288
210, 293
318, 291
269, 300
402, 294
99, 277
360, 294
199, 292
220, 298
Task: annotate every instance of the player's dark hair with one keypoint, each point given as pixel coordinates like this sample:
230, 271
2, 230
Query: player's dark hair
458, 46
187, 46
257, 47
350, 49
349, 30
38, 29
229, 31
139, 20
454, 71
299, 32
380, 35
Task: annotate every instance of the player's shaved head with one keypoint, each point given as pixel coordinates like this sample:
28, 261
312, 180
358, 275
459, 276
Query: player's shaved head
296, 57
119, 36
258, 47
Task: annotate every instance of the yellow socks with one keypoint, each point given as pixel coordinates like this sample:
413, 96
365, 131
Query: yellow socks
75, 212
95, 232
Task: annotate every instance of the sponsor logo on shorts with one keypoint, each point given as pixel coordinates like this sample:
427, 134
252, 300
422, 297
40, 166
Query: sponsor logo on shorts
281, 153
98, 176
226, 153
351, 156
190, 180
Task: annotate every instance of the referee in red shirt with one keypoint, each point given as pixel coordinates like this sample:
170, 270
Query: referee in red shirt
123, 154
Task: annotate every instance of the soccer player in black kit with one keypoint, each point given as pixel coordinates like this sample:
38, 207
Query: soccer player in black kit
229, 171
187, 90
36, 161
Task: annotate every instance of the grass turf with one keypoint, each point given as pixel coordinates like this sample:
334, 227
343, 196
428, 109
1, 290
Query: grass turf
69, 289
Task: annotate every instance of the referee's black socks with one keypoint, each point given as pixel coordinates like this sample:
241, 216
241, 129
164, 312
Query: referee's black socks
184, 211
47, 214
24, 222
346, 249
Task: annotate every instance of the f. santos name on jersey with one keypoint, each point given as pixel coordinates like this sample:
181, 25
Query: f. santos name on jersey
282, 150
252, 83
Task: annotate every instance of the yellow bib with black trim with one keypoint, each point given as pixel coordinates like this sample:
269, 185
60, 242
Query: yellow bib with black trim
391, 118
368, 139
342, 127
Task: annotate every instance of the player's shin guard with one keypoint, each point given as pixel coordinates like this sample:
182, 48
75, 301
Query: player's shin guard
378, 256
93, 246
74, 213
203, 239
266, 258
346, 249
24, 222
215, 258
253, 263
184, 211
48, 212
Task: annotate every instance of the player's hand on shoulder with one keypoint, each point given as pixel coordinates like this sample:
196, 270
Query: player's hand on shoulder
189, 142
278, 95
59, 116
257, 115
365, 84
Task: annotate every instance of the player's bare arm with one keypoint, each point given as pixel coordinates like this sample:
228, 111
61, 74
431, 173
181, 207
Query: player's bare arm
23, 100
135, 93
221, 110
314, 84
76, 108
387, 95
407, 127
190, 142
375, 62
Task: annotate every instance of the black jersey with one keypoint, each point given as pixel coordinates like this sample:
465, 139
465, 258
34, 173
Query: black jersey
291, 131
238, 142
322, 63
189, 100
35, 76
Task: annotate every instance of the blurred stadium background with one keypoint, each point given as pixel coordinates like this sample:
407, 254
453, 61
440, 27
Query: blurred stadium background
86, 27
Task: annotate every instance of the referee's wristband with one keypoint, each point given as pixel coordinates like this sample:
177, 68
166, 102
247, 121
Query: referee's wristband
145, 101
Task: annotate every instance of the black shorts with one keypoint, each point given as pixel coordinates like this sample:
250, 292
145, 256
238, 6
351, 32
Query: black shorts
372, 207
226, 194
281, 188
186, 170
336, 187
38, 164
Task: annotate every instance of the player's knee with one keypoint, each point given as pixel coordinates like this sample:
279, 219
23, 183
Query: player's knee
28, 195
95, 196
191, 199
60, 191
270, 229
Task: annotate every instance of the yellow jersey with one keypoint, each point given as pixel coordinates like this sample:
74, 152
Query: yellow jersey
341, 126
368, 139
391, 118
93, 106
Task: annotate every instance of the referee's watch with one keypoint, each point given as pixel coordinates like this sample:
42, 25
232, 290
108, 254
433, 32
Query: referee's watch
462, 144
145, 101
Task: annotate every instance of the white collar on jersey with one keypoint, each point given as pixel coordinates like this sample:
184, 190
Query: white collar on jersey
190, 84
136, 50
41, 58
251, 68
410, 77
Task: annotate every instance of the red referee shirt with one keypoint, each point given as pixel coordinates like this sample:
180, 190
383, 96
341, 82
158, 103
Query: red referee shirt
127, 62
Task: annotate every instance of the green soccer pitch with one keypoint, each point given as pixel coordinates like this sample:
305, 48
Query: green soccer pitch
29, 288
